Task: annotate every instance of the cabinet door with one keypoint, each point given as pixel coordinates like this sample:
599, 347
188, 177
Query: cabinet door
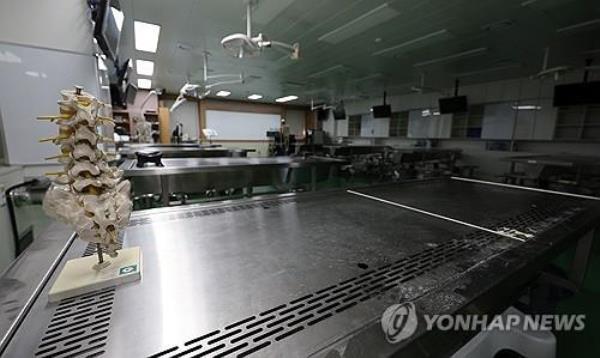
498, 121
374, 127
418, 126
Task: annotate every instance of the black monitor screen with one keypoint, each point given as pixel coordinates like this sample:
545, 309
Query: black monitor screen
577, 94
453, 105
322, 114
339, 113
384, 111
106, 31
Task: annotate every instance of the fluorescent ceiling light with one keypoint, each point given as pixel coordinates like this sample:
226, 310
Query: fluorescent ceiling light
591, 52
286, 99
528, 2
146, 36
438, 35
454, 57
579, 26
294, 84
144, 83
144, 67
368, 77
119, 17
370, 19
223, 93
327, 71
255, 96
487, 70
498, 25
527, 107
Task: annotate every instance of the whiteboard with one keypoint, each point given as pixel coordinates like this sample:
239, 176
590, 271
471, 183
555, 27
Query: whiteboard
31, 81
242, 125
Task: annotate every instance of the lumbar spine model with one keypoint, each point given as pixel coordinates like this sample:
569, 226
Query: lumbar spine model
89, 194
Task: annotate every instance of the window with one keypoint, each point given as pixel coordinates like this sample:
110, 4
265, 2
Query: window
578, 122
399, 124
354, 125
469, 124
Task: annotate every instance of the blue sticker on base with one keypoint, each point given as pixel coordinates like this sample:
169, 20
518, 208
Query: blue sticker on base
125, 270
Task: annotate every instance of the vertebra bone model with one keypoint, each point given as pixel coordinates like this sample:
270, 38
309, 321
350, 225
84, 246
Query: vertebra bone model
89, 194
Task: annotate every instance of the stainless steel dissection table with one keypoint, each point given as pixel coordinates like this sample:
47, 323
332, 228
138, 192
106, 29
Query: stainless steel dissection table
310, 274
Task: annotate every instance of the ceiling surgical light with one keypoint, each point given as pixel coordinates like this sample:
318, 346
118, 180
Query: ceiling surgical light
245, 45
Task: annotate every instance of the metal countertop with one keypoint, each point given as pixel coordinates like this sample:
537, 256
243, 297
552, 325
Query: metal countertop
307, 274
195, 165
562, 160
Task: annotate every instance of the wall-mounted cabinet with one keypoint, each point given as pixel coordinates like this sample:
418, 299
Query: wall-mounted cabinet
469, 124
374, 127
498, 120
434, 127
354, 123
536, 124
399, 125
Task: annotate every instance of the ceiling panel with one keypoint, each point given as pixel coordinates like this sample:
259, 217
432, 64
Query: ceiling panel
339, 60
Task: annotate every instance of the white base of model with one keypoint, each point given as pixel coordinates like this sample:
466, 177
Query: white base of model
82, 275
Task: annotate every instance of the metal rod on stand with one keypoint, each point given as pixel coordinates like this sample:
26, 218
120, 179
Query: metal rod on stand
99, 251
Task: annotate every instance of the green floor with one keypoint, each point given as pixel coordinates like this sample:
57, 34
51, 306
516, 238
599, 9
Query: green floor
585, 343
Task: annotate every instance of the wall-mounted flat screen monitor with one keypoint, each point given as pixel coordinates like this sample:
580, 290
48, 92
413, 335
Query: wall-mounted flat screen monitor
576, 94
383, 111
322, 114
339, 112
106, 29
453, 105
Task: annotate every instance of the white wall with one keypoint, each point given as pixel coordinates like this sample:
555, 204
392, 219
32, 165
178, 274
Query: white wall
30, 87
57, 31
48, 28
60, 25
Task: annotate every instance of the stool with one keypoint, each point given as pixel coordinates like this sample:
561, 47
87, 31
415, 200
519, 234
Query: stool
531, 344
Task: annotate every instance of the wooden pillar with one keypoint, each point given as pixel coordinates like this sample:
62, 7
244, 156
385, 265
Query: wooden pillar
164, 118
202, 118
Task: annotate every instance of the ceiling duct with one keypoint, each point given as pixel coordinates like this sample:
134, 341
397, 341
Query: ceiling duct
579, 27
453, 57
329, 71
359, 25
554, 72
425, 40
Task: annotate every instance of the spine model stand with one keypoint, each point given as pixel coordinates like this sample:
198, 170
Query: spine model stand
89, 194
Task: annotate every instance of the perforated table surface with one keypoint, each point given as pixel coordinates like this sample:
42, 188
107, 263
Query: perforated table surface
309, 274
